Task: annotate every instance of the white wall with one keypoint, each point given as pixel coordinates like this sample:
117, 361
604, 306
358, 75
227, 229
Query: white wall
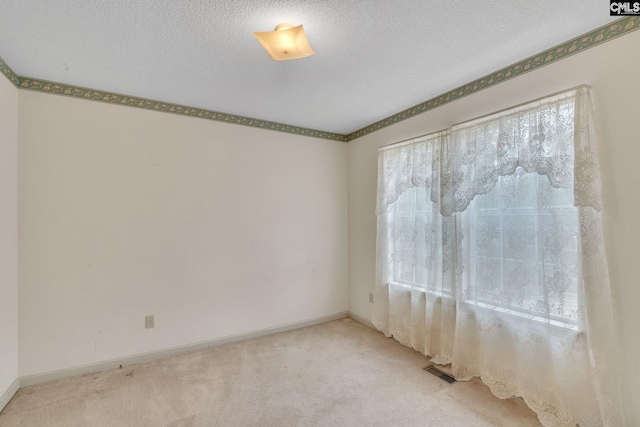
612, 69
216, 229
8, 234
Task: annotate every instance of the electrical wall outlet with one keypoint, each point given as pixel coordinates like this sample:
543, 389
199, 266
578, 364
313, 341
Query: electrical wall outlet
371, 298
149, 321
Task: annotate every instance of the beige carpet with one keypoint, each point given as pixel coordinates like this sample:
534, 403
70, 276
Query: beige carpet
340, 373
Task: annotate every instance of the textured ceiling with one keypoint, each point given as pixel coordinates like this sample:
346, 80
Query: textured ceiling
373, 58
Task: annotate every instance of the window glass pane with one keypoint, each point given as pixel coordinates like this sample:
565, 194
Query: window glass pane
415, 247
522, 242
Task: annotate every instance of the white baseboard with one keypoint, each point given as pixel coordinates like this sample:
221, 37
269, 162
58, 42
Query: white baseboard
174, 351
6, 397
362, 320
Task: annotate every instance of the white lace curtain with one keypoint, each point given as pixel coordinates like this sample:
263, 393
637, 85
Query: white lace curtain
490, 257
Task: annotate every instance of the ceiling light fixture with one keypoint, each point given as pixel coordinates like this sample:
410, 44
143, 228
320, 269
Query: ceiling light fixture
286, 42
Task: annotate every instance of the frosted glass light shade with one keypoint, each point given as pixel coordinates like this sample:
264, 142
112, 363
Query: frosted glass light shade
286, 42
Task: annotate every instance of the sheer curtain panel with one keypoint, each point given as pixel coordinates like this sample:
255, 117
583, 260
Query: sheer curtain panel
490, 257
415, 299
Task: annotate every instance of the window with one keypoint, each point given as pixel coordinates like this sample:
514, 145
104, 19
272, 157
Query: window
490, 257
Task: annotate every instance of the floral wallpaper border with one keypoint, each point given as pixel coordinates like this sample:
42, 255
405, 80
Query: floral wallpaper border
8, 73
148, 104
571, 47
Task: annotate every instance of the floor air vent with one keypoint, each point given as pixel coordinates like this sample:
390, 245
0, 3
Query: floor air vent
434, 371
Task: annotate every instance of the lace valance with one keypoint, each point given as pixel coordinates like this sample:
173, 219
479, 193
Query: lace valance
552, 137
415, 163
